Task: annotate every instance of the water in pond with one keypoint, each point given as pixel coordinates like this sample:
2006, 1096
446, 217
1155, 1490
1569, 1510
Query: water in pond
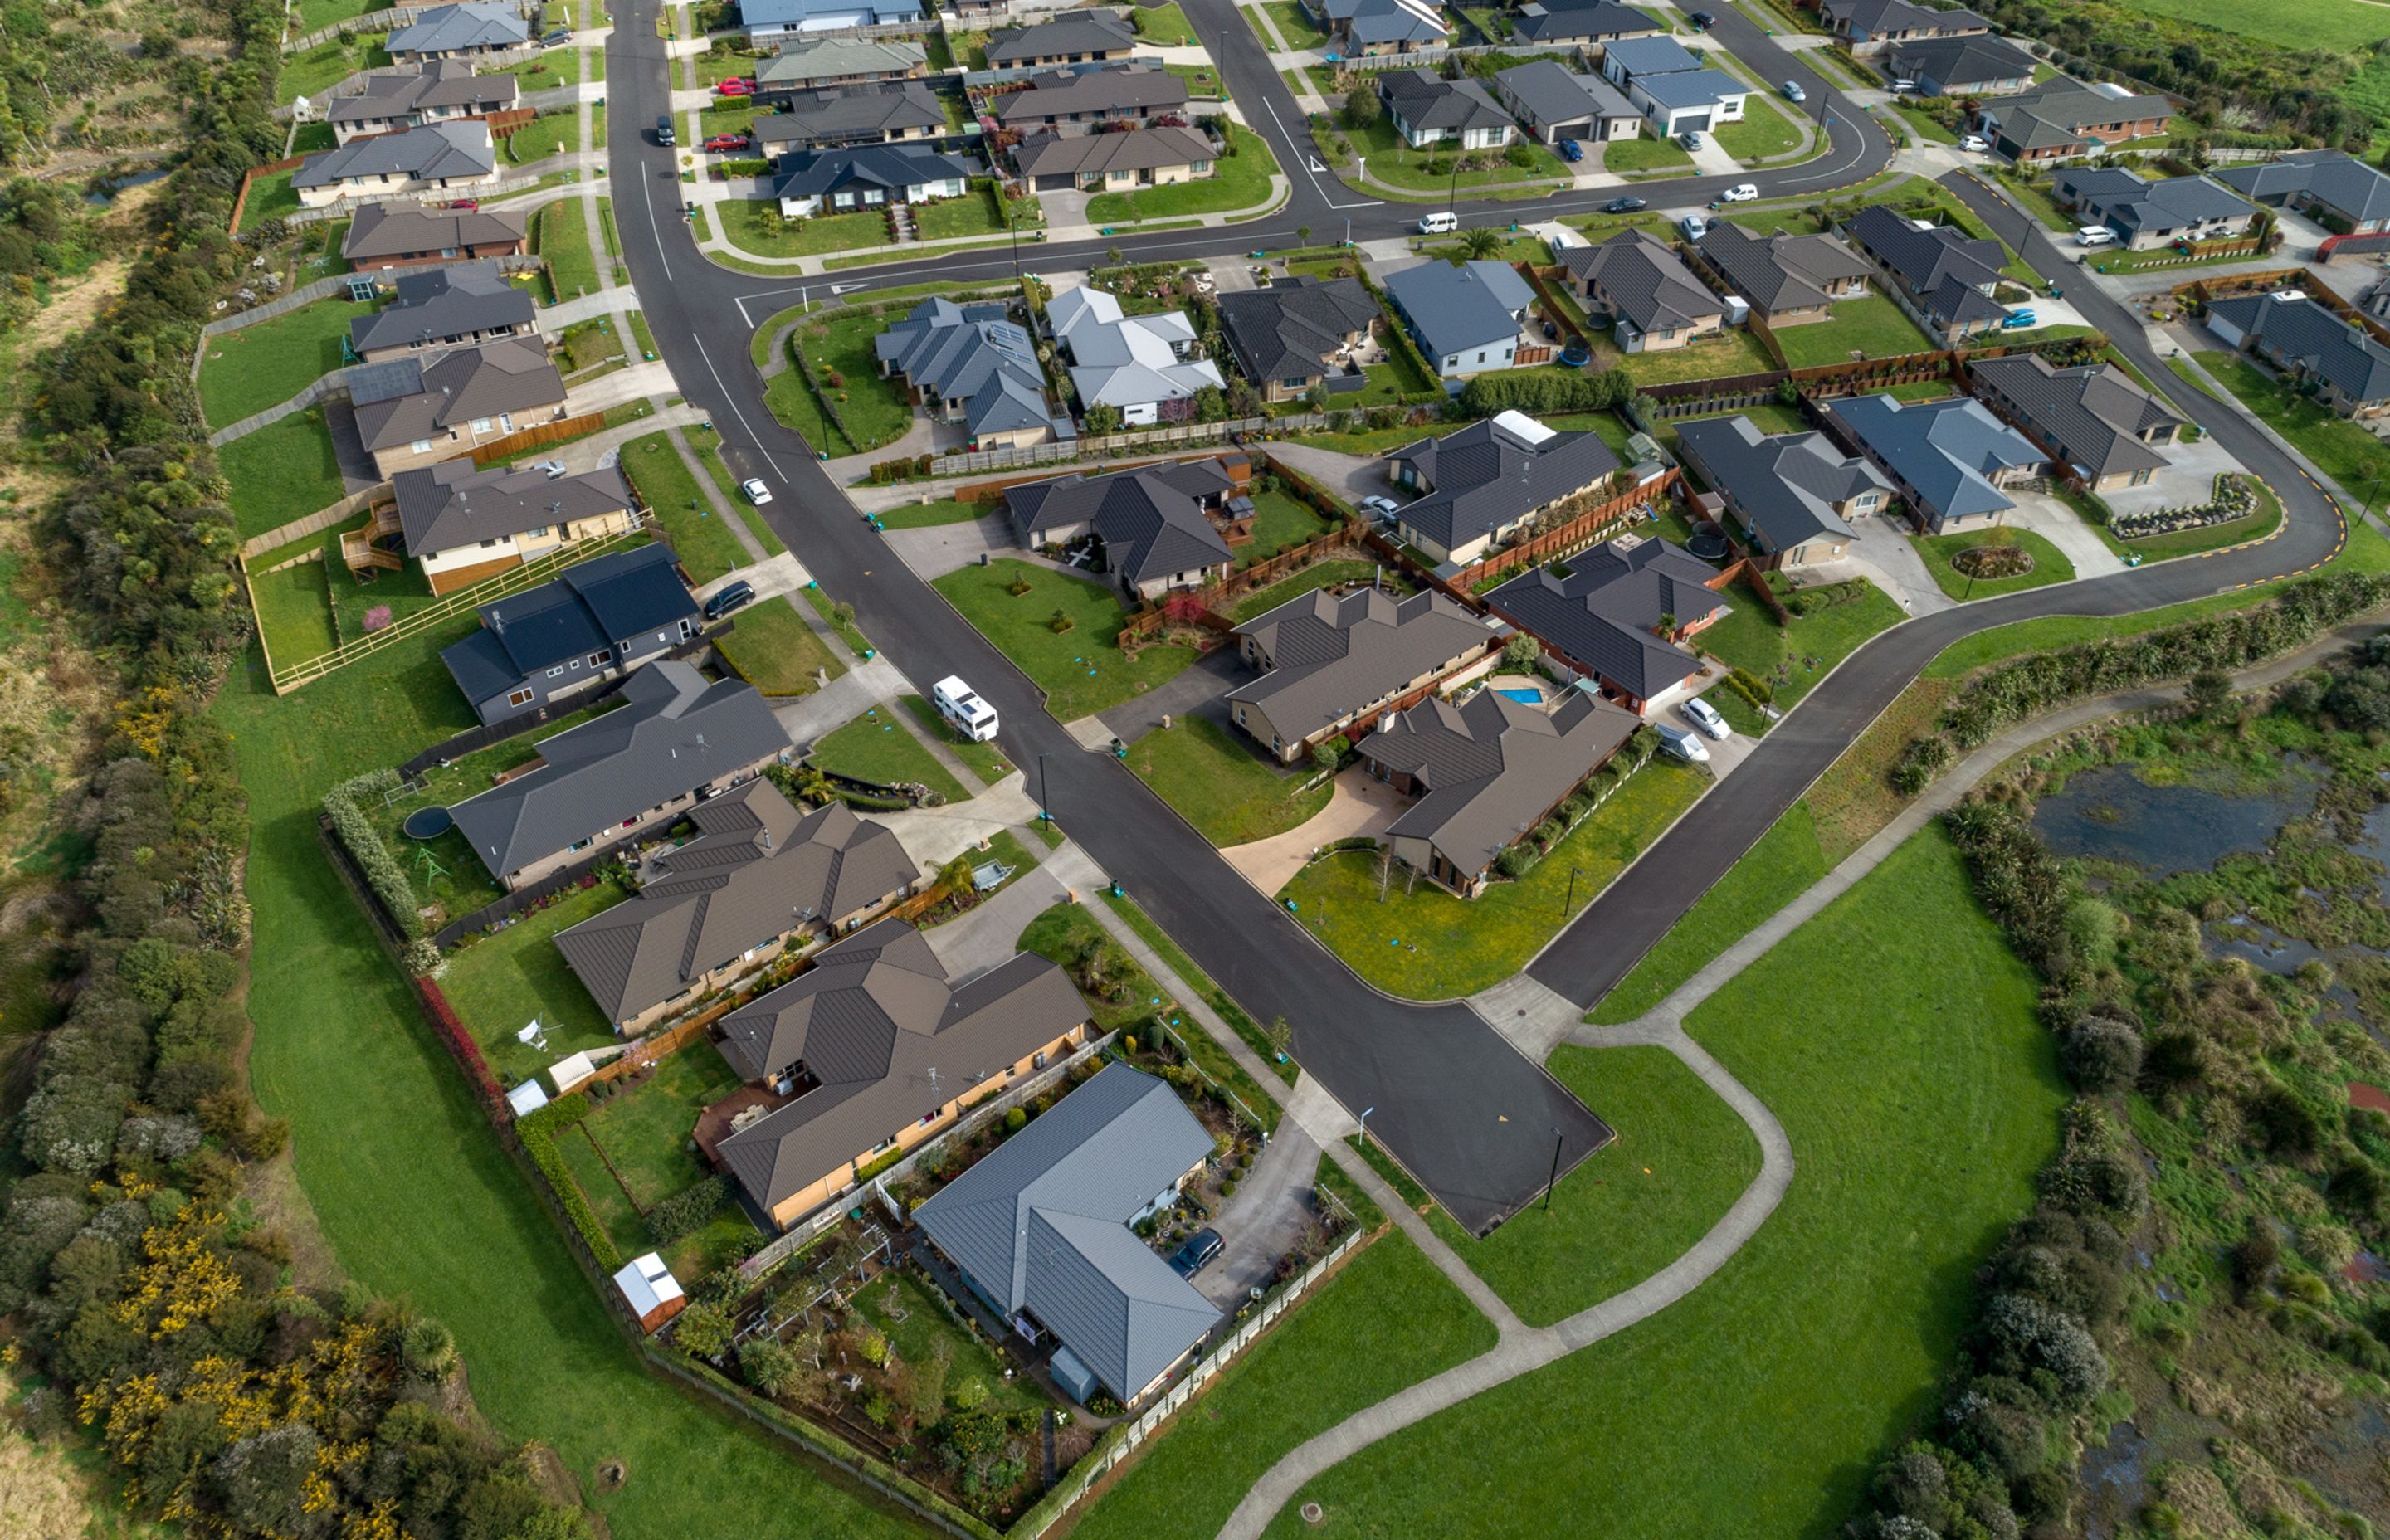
2110, 814
2376, 843
2242, 937
105, 192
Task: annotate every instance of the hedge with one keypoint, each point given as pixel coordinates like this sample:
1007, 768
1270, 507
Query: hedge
383, 873
687, 1210
460, 1045
538, 1132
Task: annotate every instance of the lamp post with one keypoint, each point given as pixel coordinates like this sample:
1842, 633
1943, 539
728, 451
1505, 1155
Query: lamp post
1365, 1125
1554, 1180
1570, 903
1045, 803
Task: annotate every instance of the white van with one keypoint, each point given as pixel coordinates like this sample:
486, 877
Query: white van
2095, 235
973, 718
1439, 223
1683, 742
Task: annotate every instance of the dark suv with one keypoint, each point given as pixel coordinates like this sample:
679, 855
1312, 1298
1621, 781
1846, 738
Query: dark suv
1201, 1249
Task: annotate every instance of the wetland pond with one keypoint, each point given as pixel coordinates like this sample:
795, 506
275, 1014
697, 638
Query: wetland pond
2112, 814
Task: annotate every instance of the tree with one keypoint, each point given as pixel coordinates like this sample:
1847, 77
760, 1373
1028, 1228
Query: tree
768, 1366
1211, 404
704, 1329
2208, 691
926, 1396
1303, 233
1522, 651
1279, 1035
1361, 107
1103, 418
1481, 243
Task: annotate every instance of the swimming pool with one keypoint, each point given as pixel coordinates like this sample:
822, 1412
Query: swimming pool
1531, 697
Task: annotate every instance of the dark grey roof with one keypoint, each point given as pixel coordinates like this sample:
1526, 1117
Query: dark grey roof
2095, 413
1288, 330
1645, 282
1489, 474
893, 168
1549, 93
1784, 488
869, 1023
1389, 21
1945, 451
1945, 269
1122, 88
1041, 1224
1455, 309
436, 83
1088, 31
433, 152
455, 503
2057, 113
2336, 179
969, 354
446, 29
673, 733
1489, 768
832, 57
1779, 271
840, 111
1085, 154
756, 871
1961, 61
405, 229
434, 303
510, 375
2305, 332
2135, 203
1427, 101
836, 13
1896, 16
1638, 56
1591, 20
601, 603
1332, 657
1603, 613
1150, 519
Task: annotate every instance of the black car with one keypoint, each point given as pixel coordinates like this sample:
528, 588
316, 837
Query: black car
729, 597
561, 35
1624, 205
1703, 20
1201, 1249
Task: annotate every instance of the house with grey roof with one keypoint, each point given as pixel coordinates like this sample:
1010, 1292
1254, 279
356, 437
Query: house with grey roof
872, 1052
458, 31
1689, 100
1789, 280
2334, 188
416, 411
817, 63
836, 116
1653, 300
1487, 771
757, 878
444, 307
1088, 101
1115, 163
1483, 486
402, 233
2062, 119
1467, 319
1298, 333
1040, 1232
594, 622
1073, 37
1142, 367
1428, 109
1792, 495
1553, 102
1870, 25
1359, 29
863, 177
1940, 277
2145, 214
676, 740
1333, 665
455, 157
1153, 525
2347, 368
1620, 618
1626, 61
1978, 66
773, 21
2095, 420
443, 91
970, 365
1592, 25
1949, 460
463, 523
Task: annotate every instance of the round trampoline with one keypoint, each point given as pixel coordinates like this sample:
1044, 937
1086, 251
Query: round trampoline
427, 823
1576, 355
1707, 542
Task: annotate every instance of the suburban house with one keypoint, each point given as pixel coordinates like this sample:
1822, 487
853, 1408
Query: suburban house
1467, 319
2336, 189
1867, 25
1940, 277
2063, 119
2310, 345
1298, 332
1625, 61
1075, 37
1592, 25
465, 524
2146, 215
1948, 459
1361, 28
1333, 665
1689, 101
1478, 488
1552, 103
866, 176
457, 32
1160, 526
1086, 101
1981, 66
1486, 772
1789, 280
770, 21
2094, 420
1619, 617
676, 740
816, 62
1428, 109
1038, 1232
1140, 364
415, 411
969, 363
1650, 298
444, 307
835, 117
713, 910
449, 157
595, 621
437, 93
1792, 496
1114, 162
869, 1052
400, 233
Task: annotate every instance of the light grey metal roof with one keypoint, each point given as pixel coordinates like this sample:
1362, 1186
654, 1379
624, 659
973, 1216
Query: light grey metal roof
1290, 329
463, 385
1458, 309
2339, 181
1945, 452
839, 112
1485, 477
1150, 519
835, 57
1042, 1223
455, 503
1549, 93
447, 28
1331, 656
434, 303
831, 13
1784, 488
1691, 87
1779, 271
1093, 32
1644, 281
1117, 89
1638, 56
1605, 612
433, 152
2094, 413
408, 229
2306, 334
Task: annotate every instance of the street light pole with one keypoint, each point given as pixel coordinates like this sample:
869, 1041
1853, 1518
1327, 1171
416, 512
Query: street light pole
1045, 803
1365, 1125
1554, 1180
1570, 903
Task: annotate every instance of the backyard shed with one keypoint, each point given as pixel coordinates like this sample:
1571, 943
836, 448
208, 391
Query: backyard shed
653, 1293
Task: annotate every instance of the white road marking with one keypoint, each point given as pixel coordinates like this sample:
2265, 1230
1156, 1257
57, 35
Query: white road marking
1286, 142
647, 185
739, 412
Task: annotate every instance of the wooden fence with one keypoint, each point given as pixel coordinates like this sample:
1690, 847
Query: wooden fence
1151, 442
1574, 536
531, 438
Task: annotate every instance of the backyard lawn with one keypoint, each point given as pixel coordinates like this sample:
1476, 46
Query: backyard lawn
1319, 574
1426, 945
1871, 325
1082, 670
500, 983
985, 759
754, 225
1238, 181
645, 1133
1280, 522
294, 611
266, 365
777, 652
1761, 1402
271, 195
703, 542
281, 472
2341, 449
1229, 792
878, 747
1732, 352
2050, 563
326, 65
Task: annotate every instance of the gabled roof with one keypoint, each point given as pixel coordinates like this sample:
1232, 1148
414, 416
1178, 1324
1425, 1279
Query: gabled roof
1389, 21
1041, 1224
1946, 451
1897, 16
1288, 330
1638, 56
1125, 361
1427, 101
404, 229
1962, 61
434, 303
454, 504
1332, 657
407, 399
1490, 768
1785, 487
1118, 88
1945, 269
1585, 20
756, 871
832, 57
1647, 285
1779, 271
969, 354
1149, 517
895, 168
1088, 154
433, 152
2057, 113
2337, 180
1604, 612
1458, 309
673, 733
1549, 93
435, 84
2137, 203
600, 603
1489, 474
2305, 332
834, 13
1088, 31
2095, 411
833, 111
444, 29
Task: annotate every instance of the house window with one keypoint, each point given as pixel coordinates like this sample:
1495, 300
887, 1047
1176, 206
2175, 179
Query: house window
600, 658
557, 672
581, 844
522, 697
538, 533
419, 446
480, 425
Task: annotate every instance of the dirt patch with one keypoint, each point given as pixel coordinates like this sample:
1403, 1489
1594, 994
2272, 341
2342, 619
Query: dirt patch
2369, 1097
273, 1191
613, 1474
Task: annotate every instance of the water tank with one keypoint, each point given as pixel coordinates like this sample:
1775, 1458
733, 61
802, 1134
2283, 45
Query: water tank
1737, 310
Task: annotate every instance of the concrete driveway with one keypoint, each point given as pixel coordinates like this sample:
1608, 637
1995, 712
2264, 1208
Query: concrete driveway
940, 548
1194, 692
2188, 481
1262, 1223
1356, 806
1353, 477
2062, 527
990, 935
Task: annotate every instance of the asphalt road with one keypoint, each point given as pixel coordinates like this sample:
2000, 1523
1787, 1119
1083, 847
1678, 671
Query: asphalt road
1470, 1117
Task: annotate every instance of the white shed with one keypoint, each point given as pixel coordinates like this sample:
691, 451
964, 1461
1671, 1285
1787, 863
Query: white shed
653, 1293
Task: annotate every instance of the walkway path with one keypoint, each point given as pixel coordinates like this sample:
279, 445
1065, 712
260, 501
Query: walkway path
714, 497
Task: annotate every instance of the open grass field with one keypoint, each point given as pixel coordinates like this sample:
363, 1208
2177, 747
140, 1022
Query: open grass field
1221, 785
877, 746
1237, 181
1759, 1403
283, 471
771, 644
1871, 325
1081, 670
2343, 25
1771, 874
2049, 564
985, 759
703, 542
249, 370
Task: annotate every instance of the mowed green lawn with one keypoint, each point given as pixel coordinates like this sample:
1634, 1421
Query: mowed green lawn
1919, 1095
2050, 563
1871, 326
1237, 181
878, 747
777, 652
501, 983
282, 472
1805, 651
2345, 452
1224, 788
1082, 670
246, 371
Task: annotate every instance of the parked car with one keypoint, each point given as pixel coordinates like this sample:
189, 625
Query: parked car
551, 469
1201, 1249
735, 86
1975, 142
1793, 92
1694, 226
2020, 319
1572, 150
2095, 235
665, 133
1690, 138
757, 493
1702, 21
1378, 508
1903, 85
1742, 192
1623, 205
729, 597
1682, 743
1702, 714
726, 142
556, 36
465, 205
1441, 223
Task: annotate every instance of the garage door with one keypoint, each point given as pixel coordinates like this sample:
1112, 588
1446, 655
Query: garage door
1062, 183
1697, 121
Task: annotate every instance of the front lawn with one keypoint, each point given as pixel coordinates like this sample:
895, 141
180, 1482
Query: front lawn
2161, 548
556, 67
2341, 449
1792, 658
754, 225
1928, 127
789, 396
563, 240
1294, 24
703, 542
1763, 134
878, 747
1082, 670
839, 351
922, 516
974, 213
1165, 23
283, 471
1397, 164
985, 759
1221, 785
549, 134
249, 370
500, 983
1627, 156
2050, 563
1870, 327
1421, 942
775, 649
1238, 181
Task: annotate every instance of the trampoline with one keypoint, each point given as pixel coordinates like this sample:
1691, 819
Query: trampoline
1707, 542
427, 823
1576, 355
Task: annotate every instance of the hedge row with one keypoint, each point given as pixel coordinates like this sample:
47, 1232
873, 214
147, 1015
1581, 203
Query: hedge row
383, 873
538, 1135
461, 1046
687, 1210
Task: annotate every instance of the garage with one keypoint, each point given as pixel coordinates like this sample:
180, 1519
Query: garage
1690, 122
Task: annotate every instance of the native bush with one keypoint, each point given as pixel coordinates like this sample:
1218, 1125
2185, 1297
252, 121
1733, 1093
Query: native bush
2100, 1055
687, 1210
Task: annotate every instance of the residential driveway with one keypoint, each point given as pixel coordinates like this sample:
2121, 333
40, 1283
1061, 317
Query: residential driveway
1352, 476
990, 933
2063, 528
2188, 481
1065, 209
1194, 692
1883, 555
933, 835
1358, 806
1712, 159
941, 548
1265, 1219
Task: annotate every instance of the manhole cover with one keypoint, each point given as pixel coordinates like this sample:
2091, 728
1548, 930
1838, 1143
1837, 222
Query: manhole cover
1312, 1514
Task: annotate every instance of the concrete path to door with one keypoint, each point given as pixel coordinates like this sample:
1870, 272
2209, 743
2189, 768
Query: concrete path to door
1358, 806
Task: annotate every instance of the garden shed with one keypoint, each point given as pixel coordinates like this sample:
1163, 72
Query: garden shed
652, 1292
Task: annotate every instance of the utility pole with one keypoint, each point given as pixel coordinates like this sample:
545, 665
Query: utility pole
1570, 903
1045, 803
1554, 1180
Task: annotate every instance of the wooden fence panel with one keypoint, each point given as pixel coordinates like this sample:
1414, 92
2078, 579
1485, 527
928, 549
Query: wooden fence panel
531, 438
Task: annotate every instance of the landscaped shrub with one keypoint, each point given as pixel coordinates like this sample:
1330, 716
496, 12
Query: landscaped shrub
538, 1133
460, 1045
702, 1329
687, 1210
364, 843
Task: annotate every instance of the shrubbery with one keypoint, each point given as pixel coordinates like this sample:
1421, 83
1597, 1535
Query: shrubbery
1547, 391
538, 1133
367, 847
687, 1210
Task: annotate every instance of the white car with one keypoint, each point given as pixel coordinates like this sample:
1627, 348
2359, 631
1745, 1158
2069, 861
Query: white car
757, 493
1974, 142
1694, 227
1702, 714
1378, 507
1903, 85
1740, 193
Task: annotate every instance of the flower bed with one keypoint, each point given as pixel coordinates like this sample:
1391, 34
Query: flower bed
2233, 497
1994, 561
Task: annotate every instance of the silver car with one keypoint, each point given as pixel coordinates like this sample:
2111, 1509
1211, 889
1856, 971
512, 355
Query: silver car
757, 493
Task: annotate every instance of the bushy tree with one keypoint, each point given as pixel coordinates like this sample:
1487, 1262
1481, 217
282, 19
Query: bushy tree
1361, 107
702, 1329
768, 1366
2100, 1055
2022, 1337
